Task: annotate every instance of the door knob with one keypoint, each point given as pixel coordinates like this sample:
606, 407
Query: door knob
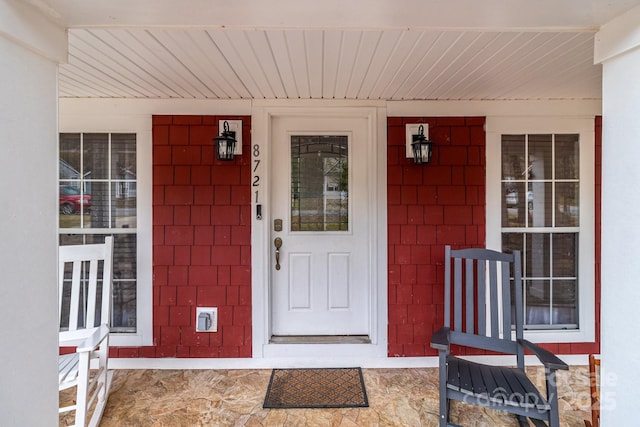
278, 243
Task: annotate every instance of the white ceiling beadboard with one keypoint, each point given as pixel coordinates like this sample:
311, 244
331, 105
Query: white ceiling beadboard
332, 49
382, 64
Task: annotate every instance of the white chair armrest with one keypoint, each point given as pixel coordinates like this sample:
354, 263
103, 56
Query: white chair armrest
84, 339
93, 341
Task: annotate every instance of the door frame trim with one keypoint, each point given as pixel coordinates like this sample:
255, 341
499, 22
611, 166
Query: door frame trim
262, 115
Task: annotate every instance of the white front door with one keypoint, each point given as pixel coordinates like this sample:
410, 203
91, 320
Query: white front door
320, 281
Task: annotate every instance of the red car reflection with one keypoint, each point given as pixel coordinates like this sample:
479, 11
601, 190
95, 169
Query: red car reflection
71, 200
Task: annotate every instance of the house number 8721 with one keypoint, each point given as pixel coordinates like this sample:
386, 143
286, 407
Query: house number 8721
256, 177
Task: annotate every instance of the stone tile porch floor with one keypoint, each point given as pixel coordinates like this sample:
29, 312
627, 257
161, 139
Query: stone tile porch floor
397, 397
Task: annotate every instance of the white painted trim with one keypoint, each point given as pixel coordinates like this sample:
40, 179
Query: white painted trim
90, 109
617, 36
22, 24
585, 127
559, 108
329, 362
262, 115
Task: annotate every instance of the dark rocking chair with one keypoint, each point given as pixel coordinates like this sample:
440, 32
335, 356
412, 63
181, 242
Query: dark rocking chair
478, 286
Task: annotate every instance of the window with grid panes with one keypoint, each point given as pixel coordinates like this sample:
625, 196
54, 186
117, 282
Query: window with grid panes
541, 218
97, 198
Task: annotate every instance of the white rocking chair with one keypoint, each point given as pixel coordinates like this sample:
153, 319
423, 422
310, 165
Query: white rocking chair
84, 303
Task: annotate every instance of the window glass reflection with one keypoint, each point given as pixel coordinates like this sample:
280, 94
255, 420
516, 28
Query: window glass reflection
95, 156
565, 302
537, 302
319, 183
537, 249
69, 162
568, 155
539, 204
98, 217
123, 156
567, 204
513, 156
540, 160
565, 247
101, 197
513, 204
123, 212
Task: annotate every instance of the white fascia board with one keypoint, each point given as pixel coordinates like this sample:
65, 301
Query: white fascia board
617, 36
28, 27
135, 108
499, 108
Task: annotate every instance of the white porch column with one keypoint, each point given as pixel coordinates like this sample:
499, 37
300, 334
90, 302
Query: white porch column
30, 47
618, 49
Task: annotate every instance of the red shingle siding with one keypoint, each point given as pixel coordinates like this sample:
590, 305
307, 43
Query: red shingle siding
201, 241
430, 206
434, 205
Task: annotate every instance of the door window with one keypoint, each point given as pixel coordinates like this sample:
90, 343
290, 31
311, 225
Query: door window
319, 183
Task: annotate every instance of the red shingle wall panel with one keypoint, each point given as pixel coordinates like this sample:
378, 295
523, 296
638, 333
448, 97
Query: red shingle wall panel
430, 206
201, 241
442, 203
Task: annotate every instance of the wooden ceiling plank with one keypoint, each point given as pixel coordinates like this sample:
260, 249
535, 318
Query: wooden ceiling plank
87, 66
126, 41
129, 61
349, 51
91, 52
495, 54
161, 63
451, 57
314, 48
368, 44
188, 54
399, 87
265, 61
563, 74
535, 68
176, 57
464, 65
383, 51
507, 62
427, 68
72, 86
296, 48
242, 57
333, 41
281, 55
418, 65
90, 77
219, 70
396, 68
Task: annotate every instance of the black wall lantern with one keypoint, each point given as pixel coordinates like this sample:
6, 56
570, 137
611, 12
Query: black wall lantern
225, 144
421, 147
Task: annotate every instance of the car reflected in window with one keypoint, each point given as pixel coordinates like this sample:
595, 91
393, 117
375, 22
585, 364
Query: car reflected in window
72, 201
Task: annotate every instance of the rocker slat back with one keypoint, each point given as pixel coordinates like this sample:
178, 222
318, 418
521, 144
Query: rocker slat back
86, 277
480, 282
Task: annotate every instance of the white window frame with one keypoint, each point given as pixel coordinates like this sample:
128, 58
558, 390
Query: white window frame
144, 296
584, 127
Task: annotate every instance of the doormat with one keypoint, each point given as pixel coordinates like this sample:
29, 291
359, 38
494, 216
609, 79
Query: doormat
316, 388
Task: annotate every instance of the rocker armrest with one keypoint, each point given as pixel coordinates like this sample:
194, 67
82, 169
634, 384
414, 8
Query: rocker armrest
93, 341
548, 359
440, 339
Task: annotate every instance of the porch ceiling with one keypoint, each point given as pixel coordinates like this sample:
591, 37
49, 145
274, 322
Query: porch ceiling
363, 49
